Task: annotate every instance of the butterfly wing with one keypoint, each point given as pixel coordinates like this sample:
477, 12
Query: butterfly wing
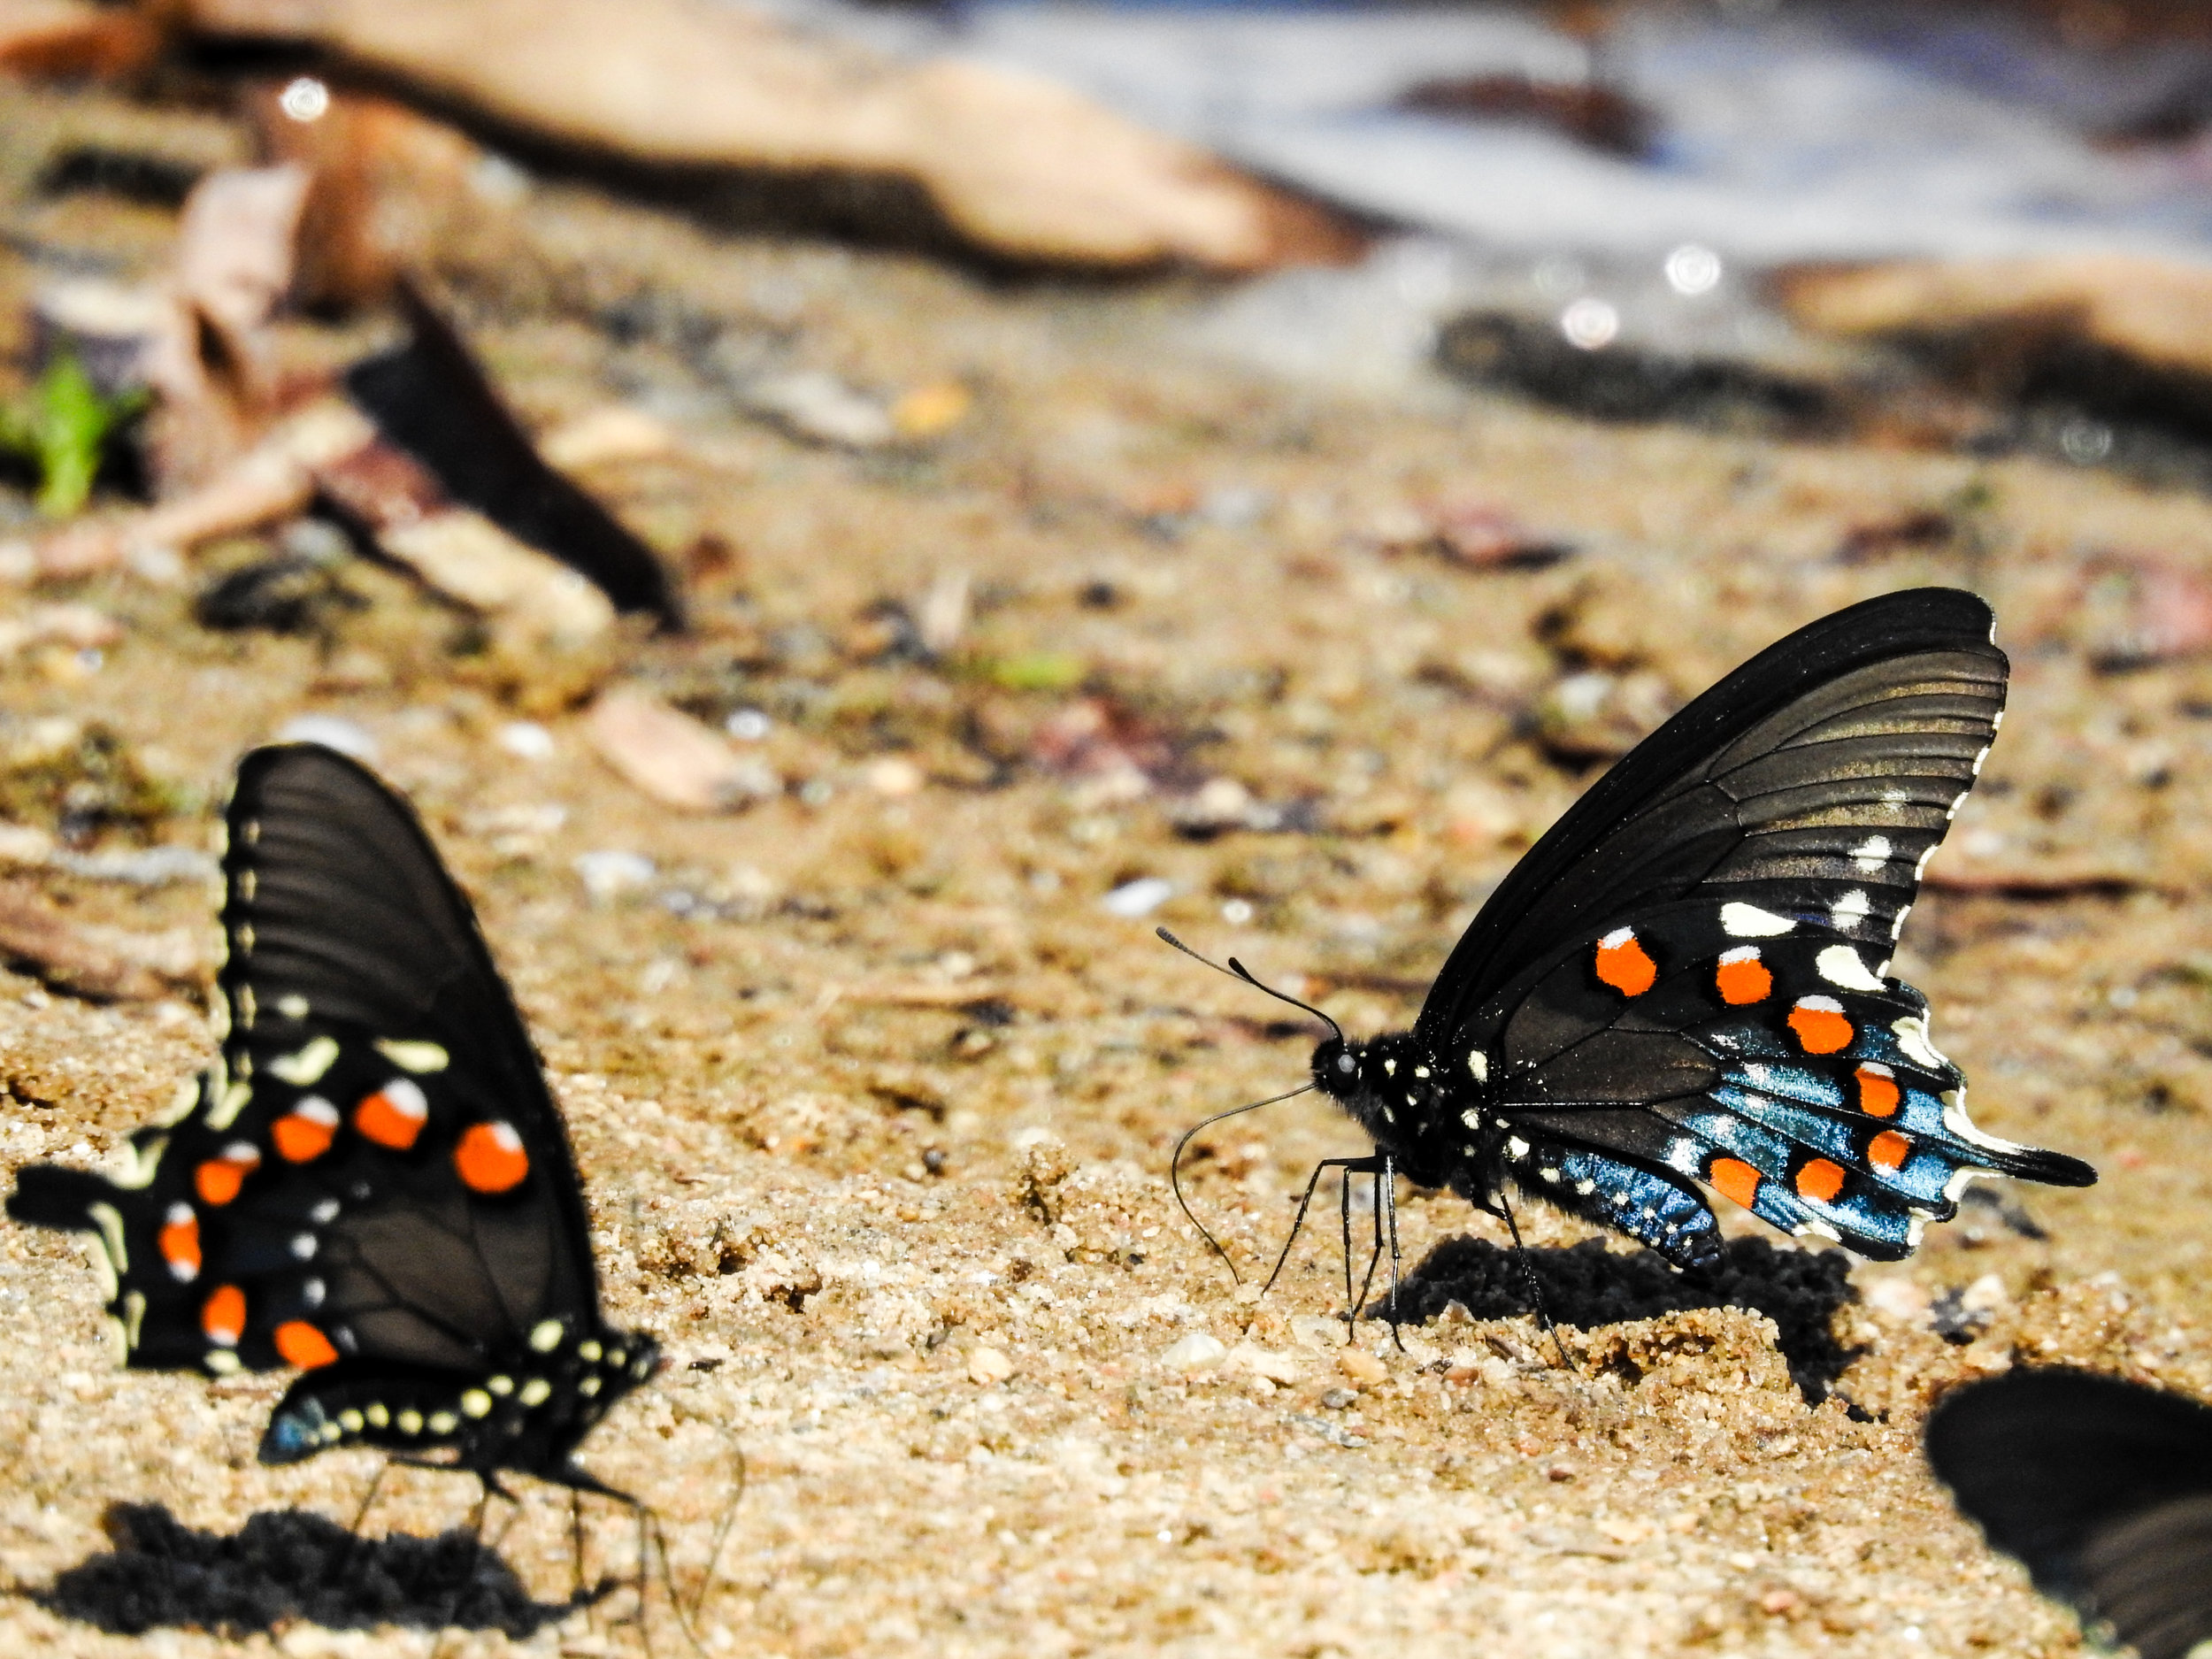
1687, 976
2102, 1487
374, 1178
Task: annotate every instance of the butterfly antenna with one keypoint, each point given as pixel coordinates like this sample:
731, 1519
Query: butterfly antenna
1175, 1164
1535, 1289
1237, 970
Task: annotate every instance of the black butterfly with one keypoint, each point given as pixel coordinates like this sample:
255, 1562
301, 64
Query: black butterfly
2102, 1487
1687, 979
372, 1183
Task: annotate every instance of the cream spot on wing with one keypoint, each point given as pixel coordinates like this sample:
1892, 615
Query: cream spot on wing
1912, 1036
1479, 1064
1840, 964
1748, 921
307, 1067
415, 1056
1871, 854
1958, 1123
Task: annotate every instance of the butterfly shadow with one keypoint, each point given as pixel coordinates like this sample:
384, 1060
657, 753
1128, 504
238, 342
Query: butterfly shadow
1585, 1286
288, 1565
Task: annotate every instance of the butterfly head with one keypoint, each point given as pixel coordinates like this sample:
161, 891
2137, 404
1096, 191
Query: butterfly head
1337, 1071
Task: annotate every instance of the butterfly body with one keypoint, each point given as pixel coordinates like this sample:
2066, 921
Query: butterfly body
1687, 980
371, 1184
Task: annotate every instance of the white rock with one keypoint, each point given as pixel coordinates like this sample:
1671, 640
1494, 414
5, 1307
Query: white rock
1195, 1352
612, 871
1259, 1362
1140, 897
526, 740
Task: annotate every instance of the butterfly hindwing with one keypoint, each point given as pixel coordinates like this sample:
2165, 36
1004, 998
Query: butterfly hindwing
2102, 1487
372, 1184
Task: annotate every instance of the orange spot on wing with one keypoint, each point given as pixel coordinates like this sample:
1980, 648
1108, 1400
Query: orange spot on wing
1820, 1025
1820, 1179
303, 1345
217, 1181
1625, 965
179, 1242
1888, 1150
1742, 977
1734, 1180
1878, 1094
223, 1316
305, 1133
394, 1115
490, 1158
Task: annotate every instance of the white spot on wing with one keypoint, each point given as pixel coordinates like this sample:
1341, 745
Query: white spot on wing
1748, 921
1840, 964
1871, 854
1912, 1036
1479, 1064
414, 1057
226, 1109
1615, 939
1517, 1147
308, 1065
1958, 1123
1849, 910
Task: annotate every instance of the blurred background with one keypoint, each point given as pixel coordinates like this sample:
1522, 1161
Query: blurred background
844, 517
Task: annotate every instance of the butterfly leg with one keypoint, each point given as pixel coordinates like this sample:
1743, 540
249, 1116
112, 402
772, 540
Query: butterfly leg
1385, 1206
1397, 1263
1305, 1201
1535, 1289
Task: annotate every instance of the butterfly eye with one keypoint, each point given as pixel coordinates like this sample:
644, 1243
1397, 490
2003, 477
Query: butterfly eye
1346, 1064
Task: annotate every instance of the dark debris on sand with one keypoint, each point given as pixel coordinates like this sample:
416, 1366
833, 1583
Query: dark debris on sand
288, 1565
1587, 1285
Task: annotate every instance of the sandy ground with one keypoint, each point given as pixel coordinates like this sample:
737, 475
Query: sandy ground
874, 1098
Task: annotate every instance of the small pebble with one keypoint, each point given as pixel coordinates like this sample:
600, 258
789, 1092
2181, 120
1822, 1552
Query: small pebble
611, 871
1337, 1399
526, 740
1195, 1352
1364, 1370
1140, 897
894, 775
988, 1365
